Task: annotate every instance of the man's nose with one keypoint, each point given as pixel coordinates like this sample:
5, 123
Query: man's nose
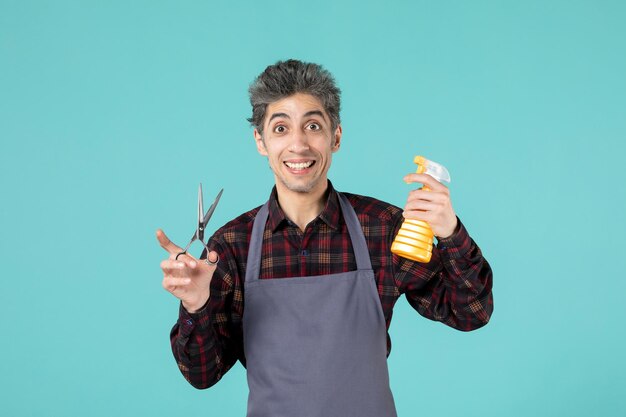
300, 142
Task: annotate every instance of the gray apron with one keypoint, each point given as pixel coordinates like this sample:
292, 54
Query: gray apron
315, 346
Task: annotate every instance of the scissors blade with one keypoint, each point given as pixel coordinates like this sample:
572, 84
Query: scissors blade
209, 213
200, 205
199, 228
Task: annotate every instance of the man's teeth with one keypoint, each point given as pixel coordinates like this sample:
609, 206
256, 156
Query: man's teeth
299, 165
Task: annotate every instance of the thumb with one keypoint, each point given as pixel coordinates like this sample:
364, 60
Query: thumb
213, 257
166, 243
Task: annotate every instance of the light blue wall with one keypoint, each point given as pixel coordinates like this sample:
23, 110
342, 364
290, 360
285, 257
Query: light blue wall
112, 112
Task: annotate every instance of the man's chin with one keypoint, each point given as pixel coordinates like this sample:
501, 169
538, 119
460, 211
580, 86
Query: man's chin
302, 188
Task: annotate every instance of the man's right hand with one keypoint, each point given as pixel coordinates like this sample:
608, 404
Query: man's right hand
187, 278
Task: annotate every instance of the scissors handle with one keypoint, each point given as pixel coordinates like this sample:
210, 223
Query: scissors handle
184, 252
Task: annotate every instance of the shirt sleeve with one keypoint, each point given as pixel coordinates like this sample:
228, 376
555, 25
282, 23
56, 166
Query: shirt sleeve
454, 287
205, 344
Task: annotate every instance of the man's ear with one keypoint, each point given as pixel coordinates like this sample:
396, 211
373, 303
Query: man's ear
337, 138
260, 144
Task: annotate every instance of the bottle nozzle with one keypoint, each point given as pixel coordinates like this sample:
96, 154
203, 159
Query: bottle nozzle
435, 170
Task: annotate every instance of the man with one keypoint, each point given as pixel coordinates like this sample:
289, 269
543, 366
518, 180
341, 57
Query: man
304, 289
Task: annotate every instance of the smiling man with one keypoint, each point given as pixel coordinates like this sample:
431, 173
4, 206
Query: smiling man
299, 140
304, 289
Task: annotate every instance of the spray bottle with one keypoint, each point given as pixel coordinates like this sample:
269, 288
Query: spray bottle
415, 237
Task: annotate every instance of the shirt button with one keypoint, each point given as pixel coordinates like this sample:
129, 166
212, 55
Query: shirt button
189, 322
305, 252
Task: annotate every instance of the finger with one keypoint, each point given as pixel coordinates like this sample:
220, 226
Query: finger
426, 180
171, 283
172, 265
181, 268
433, 196
166, 243
188, 260
421, 206
172, 268
418, 215
213, 257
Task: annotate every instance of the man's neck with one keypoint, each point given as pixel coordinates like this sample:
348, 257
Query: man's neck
301, 208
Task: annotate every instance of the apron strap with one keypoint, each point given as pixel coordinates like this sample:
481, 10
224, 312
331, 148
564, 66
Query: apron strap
359, 246
361, 253
253, 265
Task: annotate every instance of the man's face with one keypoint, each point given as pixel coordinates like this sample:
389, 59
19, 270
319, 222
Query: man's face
298, 143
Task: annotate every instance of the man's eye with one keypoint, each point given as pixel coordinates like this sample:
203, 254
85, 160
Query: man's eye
280, 129
314, 126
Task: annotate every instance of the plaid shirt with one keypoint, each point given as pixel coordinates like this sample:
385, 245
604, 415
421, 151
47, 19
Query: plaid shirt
454, 287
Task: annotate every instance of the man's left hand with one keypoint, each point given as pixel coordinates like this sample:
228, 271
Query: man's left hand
432, 206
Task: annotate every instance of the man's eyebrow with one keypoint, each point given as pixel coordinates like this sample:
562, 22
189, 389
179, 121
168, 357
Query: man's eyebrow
307, 114
315, 113
275, 115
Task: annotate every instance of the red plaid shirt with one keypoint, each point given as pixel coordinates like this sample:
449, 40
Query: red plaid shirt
454, 287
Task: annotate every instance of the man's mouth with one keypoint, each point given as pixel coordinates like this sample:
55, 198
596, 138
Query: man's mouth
299, 166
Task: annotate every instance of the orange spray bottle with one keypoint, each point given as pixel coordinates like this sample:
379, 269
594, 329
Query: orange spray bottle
415, 237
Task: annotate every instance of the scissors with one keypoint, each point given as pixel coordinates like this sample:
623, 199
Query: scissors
203, 219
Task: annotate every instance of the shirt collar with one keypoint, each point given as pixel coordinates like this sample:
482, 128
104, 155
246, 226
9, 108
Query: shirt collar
329, 215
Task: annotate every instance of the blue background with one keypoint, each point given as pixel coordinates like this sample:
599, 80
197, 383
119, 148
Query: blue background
112, 112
